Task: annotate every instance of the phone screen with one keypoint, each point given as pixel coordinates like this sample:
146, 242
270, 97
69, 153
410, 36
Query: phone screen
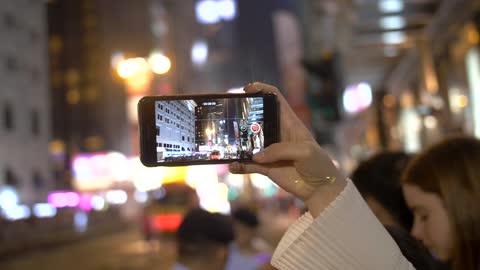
208, 129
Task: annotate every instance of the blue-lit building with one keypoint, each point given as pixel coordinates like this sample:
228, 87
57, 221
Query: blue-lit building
24, 101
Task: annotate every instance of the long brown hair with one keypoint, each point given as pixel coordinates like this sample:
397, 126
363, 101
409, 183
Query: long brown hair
451, 169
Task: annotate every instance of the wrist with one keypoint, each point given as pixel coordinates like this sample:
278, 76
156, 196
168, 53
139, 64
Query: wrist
324, 195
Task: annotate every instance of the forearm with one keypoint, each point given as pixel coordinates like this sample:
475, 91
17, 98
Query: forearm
345, 235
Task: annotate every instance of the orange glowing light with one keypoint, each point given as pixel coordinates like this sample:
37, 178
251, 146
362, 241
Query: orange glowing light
174, 175
462, 101
167, 222
159, 63
129, 67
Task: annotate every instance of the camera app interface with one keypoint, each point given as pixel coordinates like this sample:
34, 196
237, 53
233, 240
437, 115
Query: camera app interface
213, 129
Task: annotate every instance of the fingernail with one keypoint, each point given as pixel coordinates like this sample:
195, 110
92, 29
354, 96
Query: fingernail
257, 86
247, 86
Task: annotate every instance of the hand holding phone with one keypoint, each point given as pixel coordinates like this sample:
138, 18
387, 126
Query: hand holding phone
206, 129
297, 164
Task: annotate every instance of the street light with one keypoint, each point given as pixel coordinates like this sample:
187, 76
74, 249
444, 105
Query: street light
129, 67
159, 63
137, 74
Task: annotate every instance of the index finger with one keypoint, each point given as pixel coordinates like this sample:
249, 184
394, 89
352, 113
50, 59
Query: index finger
256, 87
288, 119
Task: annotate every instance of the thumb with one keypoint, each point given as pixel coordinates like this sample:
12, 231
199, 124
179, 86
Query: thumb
245, 168
285, 152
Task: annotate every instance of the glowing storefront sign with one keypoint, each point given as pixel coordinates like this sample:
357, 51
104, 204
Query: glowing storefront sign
44, 210
357, 98
213, 11
473, 71
62, 199
17, 212
8, 197
117, 196
99, 170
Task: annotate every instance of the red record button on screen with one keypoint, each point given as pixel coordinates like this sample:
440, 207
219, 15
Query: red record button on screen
255, 128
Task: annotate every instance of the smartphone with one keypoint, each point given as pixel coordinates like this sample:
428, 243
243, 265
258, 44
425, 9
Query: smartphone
206, 129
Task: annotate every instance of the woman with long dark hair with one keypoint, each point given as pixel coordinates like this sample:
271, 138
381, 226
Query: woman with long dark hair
442, 187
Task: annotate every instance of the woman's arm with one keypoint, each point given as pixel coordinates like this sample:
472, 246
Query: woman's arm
346, 235
340, 231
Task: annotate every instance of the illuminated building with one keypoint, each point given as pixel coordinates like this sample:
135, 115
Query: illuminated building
255, 110
227, 122
24, 101
88, 97
210, 128
175, 123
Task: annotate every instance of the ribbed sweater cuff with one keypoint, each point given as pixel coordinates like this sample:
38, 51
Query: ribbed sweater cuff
345, 236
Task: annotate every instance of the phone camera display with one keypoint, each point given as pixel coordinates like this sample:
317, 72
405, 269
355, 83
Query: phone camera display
209, 129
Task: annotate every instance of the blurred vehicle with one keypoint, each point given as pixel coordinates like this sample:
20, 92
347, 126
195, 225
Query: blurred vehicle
164, 212
215, 154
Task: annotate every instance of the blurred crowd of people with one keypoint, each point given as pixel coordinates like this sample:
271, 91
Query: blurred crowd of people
213, 241
434, 196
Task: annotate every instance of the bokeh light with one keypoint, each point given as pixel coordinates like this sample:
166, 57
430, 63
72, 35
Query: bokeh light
159, 63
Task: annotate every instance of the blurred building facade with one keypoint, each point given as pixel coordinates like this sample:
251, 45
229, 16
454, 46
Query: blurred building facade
76, 94
419, 62
436, 85
89, 100
24, 100
242, 46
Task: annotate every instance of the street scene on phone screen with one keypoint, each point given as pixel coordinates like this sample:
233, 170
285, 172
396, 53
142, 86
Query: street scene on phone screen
214, 129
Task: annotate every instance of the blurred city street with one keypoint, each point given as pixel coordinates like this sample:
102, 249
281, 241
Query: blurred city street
363, 77
123, 250
118, 251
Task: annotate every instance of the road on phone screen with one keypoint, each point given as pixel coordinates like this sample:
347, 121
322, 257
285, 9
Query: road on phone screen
120, 251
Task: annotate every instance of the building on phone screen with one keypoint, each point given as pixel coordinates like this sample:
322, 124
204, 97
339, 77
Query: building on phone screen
175, 127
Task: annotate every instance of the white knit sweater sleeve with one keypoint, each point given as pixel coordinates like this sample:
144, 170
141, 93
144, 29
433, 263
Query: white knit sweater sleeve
346, 236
